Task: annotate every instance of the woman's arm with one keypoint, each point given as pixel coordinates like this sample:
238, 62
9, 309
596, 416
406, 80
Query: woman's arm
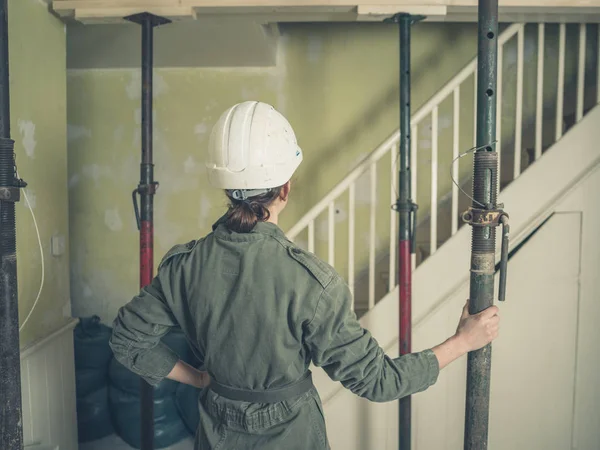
349, 354
137, 332
186, 374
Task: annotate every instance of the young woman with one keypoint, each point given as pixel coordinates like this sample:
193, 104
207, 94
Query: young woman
258, 310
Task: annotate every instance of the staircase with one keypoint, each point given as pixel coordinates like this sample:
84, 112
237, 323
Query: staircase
546, 84
548, 146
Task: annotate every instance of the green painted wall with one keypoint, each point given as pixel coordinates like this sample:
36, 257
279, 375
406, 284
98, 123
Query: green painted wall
338, 86
104, 154
38, 125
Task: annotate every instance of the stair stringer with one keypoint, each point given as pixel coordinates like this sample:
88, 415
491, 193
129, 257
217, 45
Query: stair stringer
529, 200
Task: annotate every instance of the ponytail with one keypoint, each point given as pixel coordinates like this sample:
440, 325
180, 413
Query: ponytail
243, 215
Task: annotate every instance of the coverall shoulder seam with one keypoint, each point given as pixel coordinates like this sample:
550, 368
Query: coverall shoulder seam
180, 249
323, 292
285, 243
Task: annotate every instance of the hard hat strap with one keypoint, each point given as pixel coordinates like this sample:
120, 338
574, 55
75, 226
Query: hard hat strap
244, 194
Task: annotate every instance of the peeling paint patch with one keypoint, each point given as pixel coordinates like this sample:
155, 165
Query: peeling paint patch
200, 130
75, 132
205, 206
73, 181
190, 165
119, 133
112, 219
212, 104
95, 171
27, 130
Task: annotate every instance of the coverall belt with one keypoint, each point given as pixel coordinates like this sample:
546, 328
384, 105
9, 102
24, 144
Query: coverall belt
296, 389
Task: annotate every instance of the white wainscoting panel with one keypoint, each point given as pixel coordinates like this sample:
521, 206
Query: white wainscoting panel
48, 392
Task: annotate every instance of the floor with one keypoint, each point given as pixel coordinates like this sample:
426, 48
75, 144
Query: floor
113, 442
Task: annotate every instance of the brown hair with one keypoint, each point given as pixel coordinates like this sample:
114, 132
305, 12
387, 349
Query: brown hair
243, 215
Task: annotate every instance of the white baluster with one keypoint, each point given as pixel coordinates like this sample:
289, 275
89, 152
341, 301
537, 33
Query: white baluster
413, 162
413, 176
581, 72
393, 215
311, 236
455, 153
499, 109
372, 235
561, 80
331, 233
598, 69
351, 238
434, 180
475, 108
519, 113
539, 107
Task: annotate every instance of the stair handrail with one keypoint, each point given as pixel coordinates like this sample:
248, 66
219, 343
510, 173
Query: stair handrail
393, 139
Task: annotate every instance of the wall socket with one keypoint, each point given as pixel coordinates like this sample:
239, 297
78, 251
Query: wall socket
58, 245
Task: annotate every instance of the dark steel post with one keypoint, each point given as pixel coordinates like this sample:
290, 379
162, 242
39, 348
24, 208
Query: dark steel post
407, 211
11, 430
404, 236
484, 216
146, 190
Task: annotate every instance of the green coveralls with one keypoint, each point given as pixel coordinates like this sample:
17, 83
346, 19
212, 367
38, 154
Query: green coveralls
257, 310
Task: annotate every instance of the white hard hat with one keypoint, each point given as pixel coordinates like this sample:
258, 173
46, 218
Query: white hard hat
252, 148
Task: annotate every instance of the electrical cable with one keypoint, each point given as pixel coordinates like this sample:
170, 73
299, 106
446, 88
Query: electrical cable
37, 230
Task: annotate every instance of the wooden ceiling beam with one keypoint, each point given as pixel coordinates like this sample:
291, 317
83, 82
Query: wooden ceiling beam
320, 10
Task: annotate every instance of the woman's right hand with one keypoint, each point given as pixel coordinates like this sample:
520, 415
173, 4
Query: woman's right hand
477, 330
